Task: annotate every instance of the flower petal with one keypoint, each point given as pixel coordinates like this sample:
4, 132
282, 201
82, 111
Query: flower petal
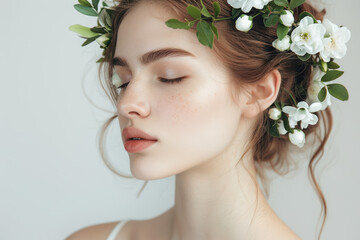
315, 107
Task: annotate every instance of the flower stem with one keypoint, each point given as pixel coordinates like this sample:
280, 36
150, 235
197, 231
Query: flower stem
219, 19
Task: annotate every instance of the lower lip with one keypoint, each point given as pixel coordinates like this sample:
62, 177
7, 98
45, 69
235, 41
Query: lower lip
133, 146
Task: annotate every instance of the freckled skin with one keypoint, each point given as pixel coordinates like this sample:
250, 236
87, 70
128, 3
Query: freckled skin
201, 134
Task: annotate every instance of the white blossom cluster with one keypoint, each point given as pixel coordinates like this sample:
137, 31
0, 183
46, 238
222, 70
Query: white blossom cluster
309, 37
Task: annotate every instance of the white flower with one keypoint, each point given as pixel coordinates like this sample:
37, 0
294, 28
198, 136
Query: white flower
314, 88
244, 23
247, 5
307, 37
281, 127
102, 39
287, 19
297, 138
302, 113
274, 113
334, 41
282, 45
116, 80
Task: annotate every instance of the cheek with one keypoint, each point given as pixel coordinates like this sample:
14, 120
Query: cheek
198, 121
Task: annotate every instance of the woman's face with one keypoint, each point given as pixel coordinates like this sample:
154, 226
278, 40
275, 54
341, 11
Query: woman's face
194, 120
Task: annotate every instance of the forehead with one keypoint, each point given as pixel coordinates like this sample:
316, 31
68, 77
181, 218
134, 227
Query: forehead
143, 29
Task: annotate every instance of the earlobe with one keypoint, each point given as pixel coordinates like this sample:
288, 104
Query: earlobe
263, 94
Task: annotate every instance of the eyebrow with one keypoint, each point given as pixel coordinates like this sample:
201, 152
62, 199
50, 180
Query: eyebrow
153, 55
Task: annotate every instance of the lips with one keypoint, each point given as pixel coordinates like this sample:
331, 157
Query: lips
132, 132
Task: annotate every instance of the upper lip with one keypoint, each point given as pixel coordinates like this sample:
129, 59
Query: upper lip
132, 132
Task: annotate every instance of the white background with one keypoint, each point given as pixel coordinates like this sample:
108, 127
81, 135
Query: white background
52, 179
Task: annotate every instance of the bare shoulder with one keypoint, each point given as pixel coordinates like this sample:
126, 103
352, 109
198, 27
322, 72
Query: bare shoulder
93, 232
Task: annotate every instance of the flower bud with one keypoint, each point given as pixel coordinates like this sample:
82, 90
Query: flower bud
282, 45
297, 138
244, 23
274, 113
287, 19
116, 80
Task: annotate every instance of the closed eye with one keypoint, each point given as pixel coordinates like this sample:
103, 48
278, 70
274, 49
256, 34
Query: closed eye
165, 80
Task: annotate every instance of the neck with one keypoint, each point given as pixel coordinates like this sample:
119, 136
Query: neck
219, 201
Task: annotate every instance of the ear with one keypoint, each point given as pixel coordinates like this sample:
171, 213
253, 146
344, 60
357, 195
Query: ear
262, 94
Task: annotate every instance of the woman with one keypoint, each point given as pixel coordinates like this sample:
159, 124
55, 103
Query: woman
212, 124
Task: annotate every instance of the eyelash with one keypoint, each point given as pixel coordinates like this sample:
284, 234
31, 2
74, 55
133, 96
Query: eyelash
171, 81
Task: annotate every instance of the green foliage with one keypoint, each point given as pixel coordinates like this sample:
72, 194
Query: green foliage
235, 13
217, 9
274, 131
332, 75
100, 30
305, 14
322, 94
205, 34
332, 65
89, 11
305, 57
296, 3
282, 31
286, 123
82, 31
215, 31
338, 91
282, 3
95, 4
90, 40
272, 20
194, 11
176, 24
85, 3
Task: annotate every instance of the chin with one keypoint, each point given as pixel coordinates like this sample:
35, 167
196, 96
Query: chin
144, 170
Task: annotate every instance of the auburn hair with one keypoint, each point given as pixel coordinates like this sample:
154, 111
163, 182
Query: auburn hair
248, 58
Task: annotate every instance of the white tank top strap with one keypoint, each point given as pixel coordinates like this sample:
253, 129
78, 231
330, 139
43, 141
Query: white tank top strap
117, 229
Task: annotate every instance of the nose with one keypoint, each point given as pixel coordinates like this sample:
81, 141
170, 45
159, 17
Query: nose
133, 101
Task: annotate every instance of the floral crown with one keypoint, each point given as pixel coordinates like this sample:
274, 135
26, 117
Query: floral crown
318, 43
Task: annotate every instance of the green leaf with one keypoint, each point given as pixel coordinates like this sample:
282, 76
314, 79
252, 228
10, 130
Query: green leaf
277, 105
282, 3
82, 31
235, 13
217, 8
205, 12
286, 123
331, 75
176, 24
85, 3
282, 31
205, 34
305, 14
98, 30
85, 10
272, 20
104, 4
322, 94
95, 4
274, 131
90, 40
296, 3
305, 57
194, 11
214, 29
100, 60
338, 91
323, 66
332, 65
